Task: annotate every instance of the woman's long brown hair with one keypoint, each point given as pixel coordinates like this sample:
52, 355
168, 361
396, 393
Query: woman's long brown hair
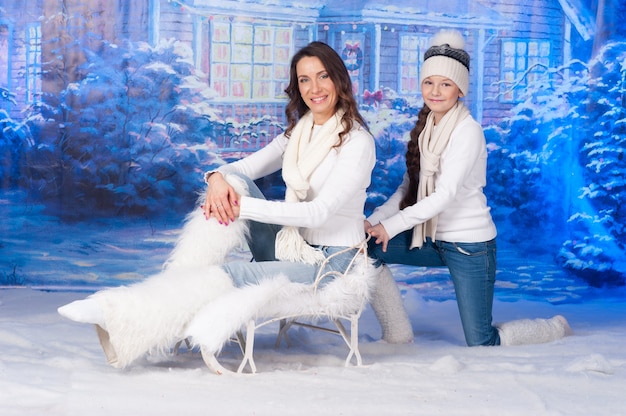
338, 73
413, 159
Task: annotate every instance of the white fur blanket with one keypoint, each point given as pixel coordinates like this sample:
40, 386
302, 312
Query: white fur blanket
205, 242
194, 298
152, 315
277, 297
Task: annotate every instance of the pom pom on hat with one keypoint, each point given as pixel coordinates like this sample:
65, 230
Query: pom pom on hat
447, 58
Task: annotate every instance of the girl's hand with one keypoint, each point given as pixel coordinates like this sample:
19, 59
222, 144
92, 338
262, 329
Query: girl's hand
380, 234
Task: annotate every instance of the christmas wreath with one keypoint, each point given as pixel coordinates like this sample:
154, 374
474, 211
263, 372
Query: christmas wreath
352, 56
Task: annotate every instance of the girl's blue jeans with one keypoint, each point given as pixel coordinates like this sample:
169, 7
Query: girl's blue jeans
472, 268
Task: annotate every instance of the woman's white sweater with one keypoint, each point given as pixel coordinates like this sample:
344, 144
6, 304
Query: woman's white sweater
332, 212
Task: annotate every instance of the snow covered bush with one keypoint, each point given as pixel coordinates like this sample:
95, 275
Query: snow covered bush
556, 168
596, 251
390, 123
130, 137
15, 142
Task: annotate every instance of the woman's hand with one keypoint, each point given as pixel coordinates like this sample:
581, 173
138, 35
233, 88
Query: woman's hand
221, 202
380, 234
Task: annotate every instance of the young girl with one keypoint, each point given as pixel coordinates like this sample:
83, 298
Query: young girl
439, 214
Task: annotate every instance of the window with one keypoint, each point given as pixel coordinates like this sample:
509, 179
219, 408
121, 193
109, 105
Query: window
522, 62
4, 56
250, 61
33, 63
412, 48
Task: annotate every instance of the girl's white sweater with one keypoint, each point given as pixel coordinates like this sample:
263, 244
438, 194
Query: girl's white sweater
458, 199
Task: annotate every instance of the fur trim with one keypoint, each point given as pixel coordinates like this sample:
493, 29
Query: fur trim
277, 297
150, 316
290, 246
454, 38
205, 242
220, 319
387, 304
533, 331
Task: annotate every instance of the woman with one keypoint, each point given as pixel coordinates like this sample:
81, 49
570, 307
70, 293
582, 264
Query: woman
439, 214
326, 154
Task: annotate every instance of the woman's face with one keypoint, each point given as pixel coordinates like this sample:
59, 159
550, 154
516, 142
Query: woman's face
440, 94
316, 88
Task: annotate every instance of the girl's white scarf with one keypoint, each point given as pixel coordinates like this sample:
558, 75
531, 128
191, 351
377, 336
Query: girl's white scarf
432, 142
302, 156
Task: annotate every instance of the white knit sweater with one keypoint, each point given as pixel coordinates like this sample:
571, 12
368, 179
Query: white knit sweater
458, 198
332, 213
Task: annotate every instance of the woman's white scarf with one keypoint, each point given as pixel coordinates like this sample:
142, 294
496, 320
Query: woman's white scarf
432, 142
302, 156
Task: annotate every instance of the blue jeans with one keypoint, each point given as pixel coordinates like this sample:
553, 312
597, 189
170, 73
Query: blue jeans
261, 236
261, 241
472, 268
246, 273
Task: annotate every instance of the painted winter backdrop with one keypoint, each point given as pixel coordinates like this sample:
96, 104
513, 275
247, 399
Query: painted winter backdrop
97, 178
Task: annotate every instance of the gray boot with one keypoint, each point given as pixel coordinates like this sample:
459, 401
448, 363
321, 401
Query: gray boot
533, 331
387, 304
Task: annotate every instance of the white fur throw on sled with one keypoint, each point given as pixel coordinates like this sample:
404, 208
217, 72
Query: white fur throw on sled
205, 242
277, 297
150, 316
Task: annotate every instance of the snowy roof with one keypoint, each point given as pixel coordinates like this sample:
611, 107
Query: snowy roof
468, 14
305, 11
580, 16
451, 13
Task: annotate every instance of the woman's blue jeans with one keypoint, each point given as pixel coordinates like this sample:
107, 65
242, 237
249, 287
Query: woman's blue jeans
261, 240
472, 268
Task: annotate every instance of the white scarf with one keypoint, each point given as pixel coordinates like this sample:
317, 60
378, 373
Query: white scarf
301, 158
432, 142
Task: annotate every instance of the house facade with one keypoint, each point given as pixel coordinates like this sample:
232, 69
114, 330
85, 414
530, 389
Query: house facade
381, 42
242, 48
20, 54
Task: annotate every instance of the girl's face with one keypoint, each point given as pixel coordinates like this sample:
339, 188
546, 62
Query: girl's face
316, 88
440, 94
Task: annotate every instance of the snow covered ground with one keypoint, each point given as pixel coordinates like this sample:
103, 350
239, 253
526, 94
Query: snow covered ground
51, 366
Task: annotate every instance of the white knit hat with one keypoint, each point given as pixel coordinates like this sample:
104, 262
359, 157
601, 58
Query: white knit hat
447, 58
